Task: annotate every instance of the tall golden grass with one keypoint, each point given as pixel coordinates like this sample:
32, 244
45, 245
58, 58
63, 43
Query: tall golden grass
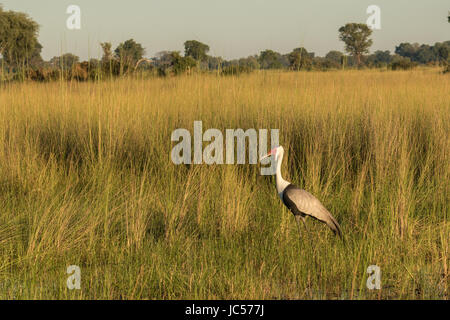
86, 179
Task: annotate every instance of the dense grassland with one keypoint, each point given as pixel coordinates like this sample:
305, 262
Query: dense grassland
86, 179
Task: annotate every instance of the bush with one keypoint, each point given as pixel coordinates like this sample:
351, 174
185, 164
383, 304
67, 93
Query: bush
43, 74
165, 71
236, 70
402, 63
111, 67
183, 64
447, 70
175, 64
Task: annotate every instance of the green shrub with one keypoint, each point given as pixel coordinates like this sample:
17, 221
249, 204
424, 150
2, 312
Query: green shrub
236, 70
402, 63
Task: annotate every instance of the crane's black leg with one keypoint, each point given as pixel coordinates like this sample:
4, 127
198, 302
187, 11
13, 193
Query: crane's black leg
297, 219
304, 223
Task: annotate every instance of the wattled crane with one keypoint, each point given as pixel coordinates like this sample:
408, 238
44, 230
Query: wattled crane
300, 202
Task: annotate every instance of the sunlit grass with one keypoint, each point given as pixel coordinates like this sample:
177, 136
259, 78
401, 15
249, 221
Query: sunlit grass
86, 179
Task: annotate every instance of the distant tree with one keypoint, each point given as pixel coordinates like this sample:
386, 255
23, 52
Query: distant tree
214, 63
425, 55
284, 61
129, 53
163, 59
182, 64
407, 50
110, 63
269, 59
320, 63
236, 70
383, 56
299, 59
443, 55
334, 59
66, 61
250, 62
197, 50
107, 51
379, 58
442, 51
171, 62
18, 39
334, 56
356, 39
402, 63
94, 63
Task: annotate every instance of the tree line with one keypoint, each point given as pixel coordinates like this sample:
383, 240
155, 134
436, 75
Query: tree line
20, 56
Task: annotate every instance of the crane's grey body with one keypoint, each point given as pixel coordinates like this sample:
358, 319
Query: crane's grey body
300, 202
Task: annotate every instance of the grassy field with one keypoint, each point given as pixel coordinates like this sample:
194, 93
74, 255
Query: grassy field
86, 179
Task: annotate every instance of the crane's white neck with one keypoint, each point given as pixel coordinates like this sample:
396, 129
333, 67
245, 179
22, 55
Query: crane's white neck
281, 183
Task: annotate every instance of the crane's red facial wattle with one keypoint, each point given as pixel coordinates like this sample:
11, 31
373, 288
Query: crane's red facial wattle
271, 153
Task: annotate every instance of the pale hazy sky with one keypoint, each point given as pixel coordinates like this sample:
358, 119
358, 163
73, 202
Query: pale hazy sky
232, 28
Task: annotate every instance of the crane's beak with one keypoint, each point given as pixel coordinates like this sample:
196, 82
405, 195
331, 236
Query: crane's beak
274, 151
